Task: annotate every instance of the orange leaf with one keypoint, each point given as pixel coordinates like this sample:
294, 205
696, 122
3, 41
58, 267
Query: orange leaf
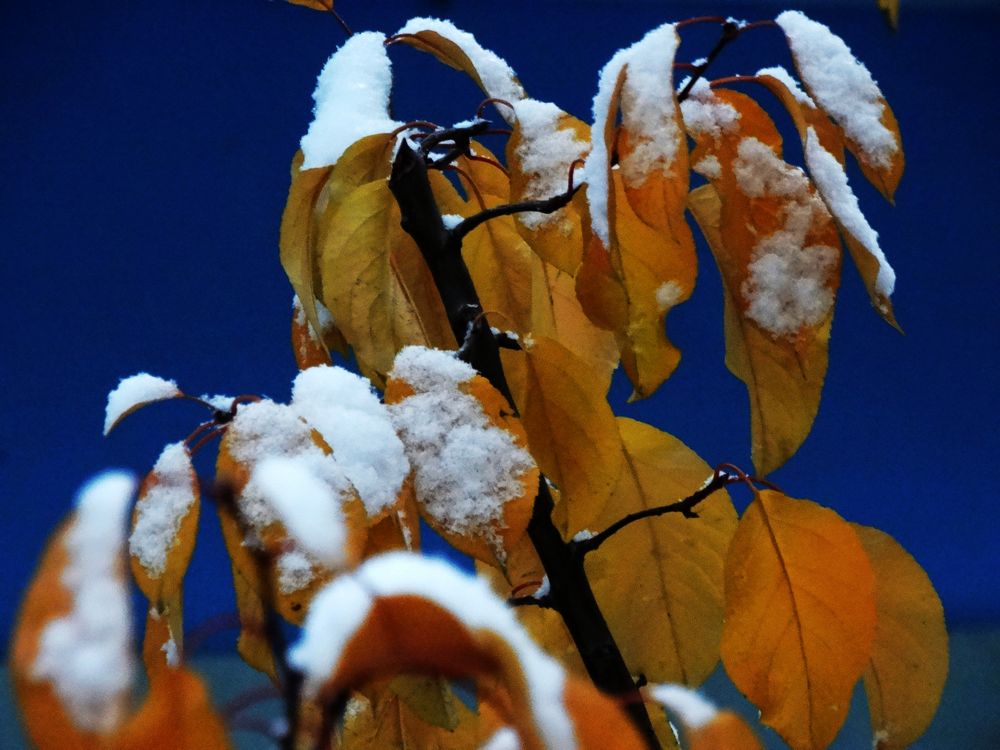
326, 5
133, 393
779, 256
800, 616
909, 661
177, 713
727, 731
704, 726
309, 347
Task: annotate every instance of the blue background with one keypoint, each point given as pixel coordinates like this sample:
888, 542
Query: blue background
145, 150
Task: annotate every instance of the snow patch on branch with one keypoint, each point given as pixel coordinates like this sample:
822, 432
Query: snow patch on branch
87, 654
352, 100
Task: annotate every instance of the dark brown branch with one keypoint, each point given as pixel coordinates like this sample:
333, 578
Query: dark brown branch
545, 206
731, 31
685, 507
570, 593
340, 20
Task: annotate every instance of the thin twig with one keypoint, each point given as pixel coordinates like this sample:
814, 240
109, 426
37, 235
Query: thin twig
685, 507
341, 21
546, 206
731, 30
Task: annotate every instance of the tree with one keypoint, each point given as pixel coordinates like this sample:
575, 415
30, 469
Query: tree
491, 310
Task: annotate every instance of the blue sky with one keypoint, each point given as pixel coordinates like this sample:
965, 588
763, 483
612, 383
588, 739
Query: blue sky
145, 152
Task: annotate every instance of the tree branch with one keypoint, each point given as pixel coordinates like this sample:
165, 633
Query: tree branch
545, 206
685, 507
570, 593
731, 31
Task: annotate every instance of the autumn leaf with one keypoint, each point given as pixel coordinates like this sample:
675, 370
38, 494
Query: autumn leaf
375, 282
842, 86
133, 393
544, 144
704, 726
326, 5
800, 616
460, 50
670, 565
176, 713
571, 429
778, 253
475, 482
891, 10
909, 663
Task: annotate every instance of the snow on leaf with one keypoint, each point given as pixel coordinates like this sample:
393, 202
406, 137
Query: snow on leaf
352, 100
71, 655
777, 249
460, 50
344, 409
846, 91
800, 616
475, 482
407, 613
909, 662
133, 393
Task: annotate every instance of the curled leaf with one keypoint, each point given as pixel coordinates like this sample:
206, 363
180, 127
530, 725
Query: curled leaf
133, 393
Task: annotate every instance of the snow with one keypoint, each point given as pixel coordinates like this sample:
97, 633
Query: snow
596, 166
668, 294
306, 505
788, 283
498, 79
705, 114
352, 99
133, 392
218, 402
544, 588
545, 153
504, 738
295, 571
451, 220
86, 655
171, 653
341, 607
841, 84
465, 468
648, 111
693, 709
831, 181
344, 409
160, 510
782, 75
709, 167
263, 430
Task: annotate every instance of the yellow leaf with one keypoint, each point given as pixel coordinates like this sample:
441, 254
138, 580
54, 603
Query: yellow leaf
487, 178
430, 698
657, 268
177, 713
375, 282
800, 616
909, 661
556, 313
670, 566
571, 429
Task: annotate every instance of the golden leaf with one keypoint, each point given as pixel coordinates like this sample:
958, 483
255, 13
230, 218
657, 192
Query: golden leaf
670, 566
909, 661
177, 713
487, 178
375, 282
571, 429
800, 616
891, 10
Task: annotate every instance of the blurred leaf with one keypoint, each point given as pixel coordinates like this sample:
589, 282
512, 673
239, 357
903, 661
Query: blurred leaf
800, 616
909, 662
430, 698
177, 713
891, 10
314, 4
